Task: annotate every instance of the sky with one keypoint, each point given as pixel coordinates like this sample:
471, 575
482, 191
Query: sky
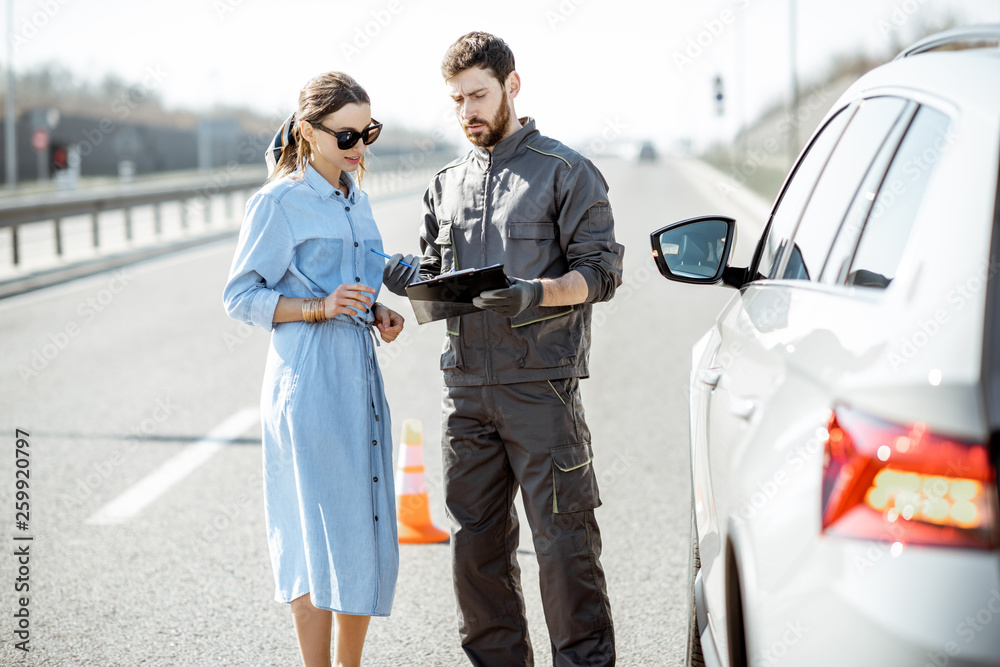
593, 72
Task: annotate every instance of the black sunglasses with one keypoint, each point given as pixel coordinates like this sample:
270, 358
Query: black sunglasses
348, 138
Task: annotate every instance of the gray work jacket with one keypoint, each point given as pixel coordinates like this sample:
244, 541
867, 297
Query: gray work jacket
541, 209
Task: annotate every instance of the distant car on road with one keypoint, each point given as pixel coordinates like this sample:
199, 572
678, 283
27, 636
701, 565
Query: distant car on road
845, 405
647, 152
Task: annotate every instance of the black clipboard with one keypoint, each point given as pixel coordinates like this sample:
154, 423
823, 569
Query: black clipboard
452, 293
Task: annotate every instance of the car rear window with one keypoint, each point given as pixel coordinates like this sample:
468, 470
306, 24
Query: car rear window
838, 185
890, 221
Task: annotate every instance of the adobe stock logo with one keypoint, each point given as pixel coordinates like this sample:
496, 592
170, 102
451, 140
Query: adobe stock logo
122, 106
47, 10
701, 42
88, 310
967, 630
562, 13
364, 34
965, 291
901, 14
223, 7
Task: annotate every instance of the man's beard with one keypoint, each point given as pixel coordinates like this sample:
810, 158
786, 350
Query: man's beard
493, 130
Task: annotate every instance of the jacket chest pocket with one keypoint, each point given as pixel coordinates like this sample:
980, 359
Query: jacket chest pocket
446, 243
320, 251
532, 231
531, 247
322, 261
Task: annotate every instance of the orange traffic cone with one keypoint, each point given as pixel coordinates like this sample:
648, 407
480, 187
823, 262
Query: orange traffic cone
413, 513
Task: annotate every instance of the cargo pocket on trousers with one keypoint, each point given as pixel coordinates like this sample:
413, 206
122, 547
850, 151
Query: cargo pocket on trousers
574, 484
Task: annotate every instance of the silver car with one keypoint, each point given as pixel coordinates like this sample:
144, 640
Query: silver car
845, 406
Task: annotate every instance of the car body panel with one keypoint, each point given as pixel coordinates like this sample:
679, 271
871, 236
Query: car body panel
783, 353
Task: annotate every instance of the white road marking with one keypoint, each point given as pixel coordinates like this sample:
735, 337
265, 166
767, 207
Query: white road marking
153, 485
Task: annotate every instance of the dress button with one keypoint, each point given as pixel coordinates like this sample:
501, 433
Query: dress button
374, 442
374, 479
355, 244
357, 279
347, 208
376, 517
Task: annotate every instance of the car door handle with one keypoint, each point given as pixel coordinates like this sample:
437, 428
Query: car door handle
743, 407
710, 377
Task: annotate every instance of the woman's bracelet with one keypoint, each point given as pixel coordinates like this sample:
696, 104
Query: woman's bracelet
314, 310
319, 310
319, 314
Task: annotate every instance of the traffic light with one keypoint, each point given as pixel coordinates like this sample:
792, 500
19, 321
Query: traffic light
719, 106
58, 157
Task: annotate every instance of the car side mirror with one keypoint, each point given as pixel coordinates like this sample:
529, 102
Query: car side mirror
696, 250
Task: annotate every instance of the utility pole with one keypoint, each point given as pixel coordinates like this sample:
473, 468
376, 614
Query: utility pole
739, 77
10, 135
793, 57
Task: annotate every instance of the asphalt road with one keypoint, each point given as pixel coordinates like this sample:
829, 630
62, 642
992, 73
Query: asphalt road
116, 375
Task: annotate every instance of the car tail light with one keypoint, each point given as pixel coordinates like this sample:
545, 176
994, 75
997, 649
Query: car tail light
902, 483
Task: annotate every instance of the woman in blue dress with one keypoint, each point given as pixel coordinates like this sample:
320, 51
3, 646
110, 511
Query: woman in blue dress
304, 269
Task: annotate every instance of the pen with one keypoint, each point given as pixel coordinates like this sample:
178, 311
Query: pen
390, 257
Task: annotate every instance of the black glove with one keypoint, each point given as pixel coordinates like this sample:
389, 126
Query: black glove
396, 277
512, 301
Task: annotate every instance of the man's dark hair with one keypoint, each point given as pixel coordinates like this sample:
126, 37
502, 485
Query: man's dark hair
478, 49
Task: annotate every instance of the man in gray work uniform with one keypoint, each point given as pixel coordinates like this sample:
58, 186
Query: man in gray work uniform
512, 409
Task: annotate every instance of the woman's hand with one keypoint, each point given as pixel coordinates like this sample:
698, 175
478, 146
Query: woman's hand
349, 300
389, 322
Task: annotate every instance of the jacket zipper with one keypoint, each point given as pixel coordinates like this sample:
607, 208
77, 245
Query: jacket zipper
486, 191
482, 243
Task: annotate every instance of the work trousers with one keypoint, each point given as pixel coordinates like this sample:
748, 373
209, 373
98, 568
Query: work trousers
532, 436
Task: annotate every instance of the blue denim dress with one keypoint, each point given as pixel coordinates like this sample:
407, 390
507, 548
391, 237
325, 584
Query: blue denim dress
329, 498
